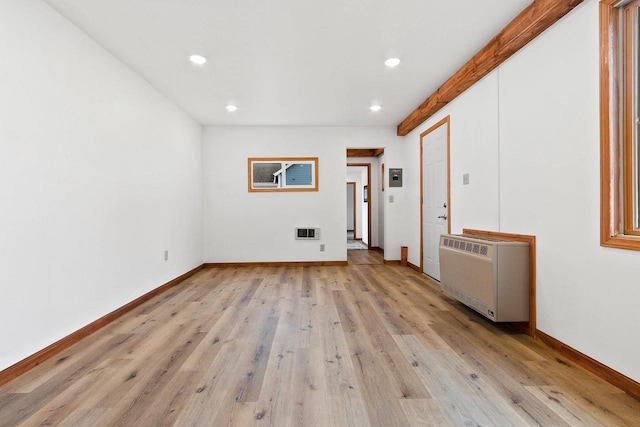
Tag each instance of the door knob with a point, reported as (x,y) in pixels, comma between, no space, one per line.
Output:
(443,216)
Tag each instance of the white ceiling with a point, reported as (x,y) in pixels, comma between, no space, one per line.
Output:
(293,62)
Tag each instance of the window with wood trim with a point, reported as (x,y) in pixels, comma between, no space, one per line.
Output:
(619,124)
(630,119)
(283,174)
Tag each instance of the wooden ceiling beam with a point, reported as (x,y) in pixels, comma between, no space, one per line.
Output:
(530,23)
(364,152)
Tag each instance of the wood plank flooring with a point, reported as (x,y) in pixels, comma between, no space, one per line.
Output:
(362,345)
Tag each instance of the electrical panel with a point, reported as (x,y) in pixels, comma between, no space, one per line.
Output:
(395,177)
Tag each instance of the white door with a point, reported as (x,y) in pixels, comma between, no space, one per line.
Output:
(434,197)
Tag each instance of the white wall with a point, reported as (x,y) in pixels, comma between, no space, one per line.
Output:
(253,227)
(528,136)
(399,231)
(99,174)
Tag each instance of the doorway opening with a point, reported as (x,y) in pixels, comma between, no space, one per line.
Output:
(360,175)
(364,169)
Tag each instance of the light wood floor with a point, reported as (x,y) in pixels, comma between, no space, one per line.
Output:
(362,345)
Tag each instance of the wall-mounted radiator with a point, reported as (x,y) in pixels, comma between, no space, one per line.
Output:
(489,275)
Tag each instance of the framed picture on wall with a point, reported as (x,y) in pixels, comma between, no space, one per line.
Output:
(366,193)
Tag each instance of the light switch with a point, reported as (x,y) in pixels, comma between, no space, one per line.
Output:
(391,198)
(465,179)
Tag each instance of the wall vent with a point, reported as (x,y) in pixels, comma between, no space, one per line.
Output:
(307,233)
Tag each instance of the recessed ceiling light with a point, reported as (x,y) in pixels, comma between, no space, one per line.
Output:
(198,59)
(375,107)
(392,62)
(231,108)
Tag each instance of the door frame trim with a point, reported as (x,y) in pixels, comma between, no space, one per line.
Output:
(355,224)
(369,228)
(447,121)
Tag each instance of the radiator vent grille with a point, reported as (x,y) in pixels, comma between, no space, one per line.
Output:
(474,248)
(468,300)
